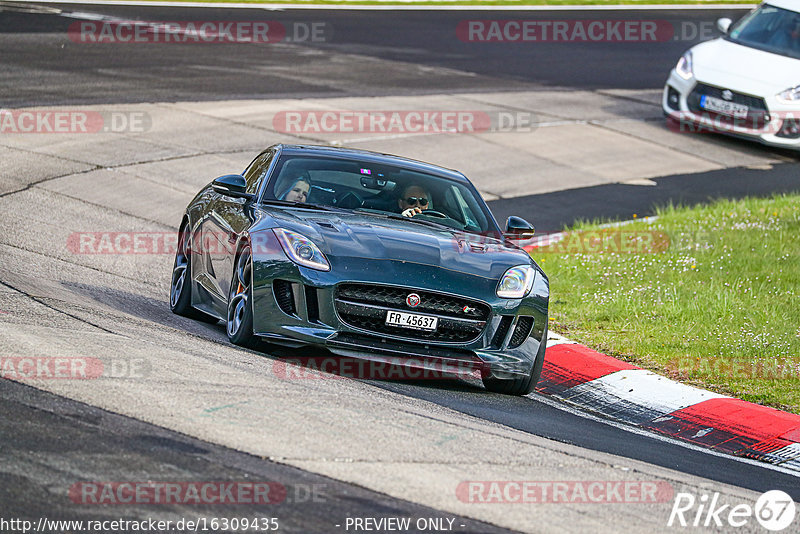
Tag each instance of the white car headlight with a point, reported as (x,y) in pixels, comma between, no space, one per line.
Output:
(516,282)
(684,68)
(790,95)
(302,250)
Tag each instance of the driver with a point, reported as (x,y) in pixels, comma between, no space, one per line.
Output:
(414,200)
(789,36)
(794,35)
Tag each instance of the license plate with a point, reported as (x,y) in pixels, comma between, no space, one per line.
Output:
(411,320)
(724,107)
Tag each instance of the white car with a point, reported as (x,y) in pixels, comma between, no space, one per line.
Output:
(745,83)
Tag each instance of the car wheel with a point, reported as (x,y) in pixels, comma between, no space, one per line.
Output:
(240,306)
(180,290)
(524,384)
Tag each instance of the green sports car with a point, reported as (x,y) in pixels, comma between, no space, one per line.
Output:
(367,255)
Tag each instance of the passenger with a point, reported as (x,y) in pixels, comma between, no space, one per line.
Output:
(414,200)
(298,191)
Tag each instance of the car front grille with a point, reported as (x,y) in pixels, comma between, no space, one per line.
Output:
(757,116)
(365,307)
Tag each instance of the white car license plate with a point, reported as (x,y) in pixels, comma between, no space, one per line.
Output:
(724,107)
(411,320)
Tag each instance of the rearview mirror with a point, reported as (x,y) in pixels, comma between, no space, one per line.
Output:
(518,228)
(724,24)
(232,185)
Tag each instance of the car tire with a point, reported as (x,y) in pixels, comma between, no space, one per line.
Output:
(239,321)
(180,289)
(521,385)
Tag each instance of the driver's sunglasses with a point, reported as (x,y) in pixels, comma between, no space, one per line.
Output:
(422,201)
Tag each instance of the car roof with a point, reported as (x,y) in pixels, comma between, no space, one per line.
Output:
(375,157)
(791,5)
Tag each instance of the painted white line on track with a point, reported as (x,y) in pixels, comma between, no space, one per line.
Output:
(644,389)
(789,455)
(557,339)
(565,407)
(339,7)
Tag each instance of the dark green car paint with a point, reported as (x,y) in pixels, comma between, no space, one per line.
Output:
(362,248)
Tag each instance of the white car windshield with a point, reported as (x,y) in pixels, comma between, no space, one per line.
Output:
(771,29)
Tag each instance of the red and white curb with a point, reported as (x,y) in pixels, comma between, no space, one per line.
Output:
(623,392)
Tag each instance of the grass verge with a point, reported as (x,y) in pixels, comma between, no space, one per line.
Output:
(706,295)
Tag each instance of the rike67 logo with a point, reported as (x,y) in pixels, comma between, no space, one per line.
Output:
(774,510)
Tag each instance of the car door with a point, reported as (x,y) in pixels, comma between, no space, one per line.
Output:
(227,219)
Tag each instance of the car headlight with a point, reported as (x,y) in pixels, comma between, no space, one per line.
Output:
(684,68)
(302,250)
(516,282)
(790,95)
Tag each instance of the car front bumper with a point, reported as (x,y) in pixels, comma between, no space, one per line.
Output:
(773,130)
(296,306)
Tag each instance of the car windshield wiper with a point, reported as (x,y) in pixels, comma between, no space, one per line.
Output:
(396,217)
(290,204)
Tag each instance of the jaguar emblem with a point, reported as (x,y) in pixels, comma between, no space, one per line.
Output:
(413,300)
(727,95)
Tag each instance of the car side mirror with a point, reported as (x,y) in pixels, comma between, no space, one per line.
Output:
(724,24)
(232,185)
(518,228)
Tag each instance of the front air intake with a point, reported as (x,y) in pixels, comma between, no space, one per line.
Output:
(284,296)
(312,304)
(673,99)
(521,331)
(502,331)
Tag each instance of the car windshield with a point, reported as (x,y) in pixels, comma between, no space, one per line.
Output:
(771,29)
(378,189)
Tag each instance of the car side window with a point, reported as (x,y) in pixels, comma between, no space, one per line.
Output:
(257,170)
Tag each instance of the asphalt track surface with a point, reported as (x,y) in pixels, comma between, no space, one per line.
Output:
(40,71)
(553,212)
(36,48)
(311,503)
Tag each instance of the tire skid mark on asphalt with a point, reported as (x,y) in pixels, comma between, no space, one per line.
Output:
(43,303)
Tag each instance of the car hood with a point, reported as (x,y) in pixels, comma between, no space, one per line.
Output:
(345,237)
(744,69)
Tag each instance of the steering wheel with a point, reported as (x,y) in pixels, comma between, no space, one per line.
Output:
(434,213)
(349,200)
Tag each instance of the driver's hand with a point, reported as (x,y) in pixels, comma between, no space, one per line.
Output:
(410,212)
